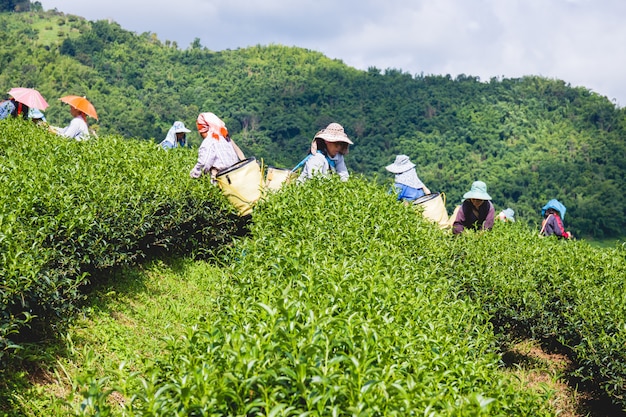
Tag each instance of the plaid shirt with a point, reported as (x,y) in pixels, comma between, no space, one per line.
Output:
(213,153)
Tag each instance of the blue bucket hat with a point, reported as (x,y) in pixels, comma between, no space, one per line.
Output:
(478,191)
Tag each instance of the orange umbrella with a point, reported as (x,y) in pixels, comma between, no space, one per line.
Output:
(29,96)
(82,104)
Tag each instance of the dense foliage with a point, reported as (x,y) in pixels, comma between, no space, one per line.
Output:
(343,302)
(531,139)
(333,306)
(70,210)
(340,300)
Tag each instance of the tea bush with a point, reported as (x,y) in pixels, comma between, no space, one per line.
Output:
(337,307)
(342,301)
(564,293)
(70,210)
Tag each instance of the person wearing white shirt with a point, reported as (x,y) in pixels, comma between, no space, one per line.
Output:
(327,154)
(218,150)
(77,129)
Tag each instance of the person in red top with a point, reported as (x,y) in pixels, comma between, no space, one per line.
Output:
(553,225)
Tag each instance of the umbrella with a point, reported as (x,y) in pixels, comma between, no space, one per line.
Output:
(82,104)
(29,96)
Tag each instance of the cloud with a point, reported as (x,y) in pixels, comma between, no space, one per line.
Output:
(577,41)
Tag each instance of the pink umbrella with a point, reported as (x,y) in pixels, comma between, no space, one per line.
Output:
(29,96)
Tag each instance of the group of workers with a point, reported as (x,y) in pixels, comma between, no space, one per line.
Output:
(476,212)
(77,128)
(218,151)
(326,156)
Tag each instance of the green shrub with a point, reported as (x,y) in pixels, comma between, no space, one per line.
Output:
(337,306)
(565,293)
(71,210)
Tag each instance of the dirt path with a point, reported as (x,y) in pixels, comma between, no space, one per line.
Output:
(549,373)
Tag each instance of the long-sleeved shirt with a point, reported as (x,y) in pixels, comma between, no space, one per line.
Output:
(319,163)
(214,153)
(552,225)
(408,193)
(77,129)
(470,218)
(6,108)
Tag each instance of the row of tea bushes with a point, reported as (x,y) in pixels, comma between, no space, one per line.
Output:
(339,305)
(565,293)
(69,210)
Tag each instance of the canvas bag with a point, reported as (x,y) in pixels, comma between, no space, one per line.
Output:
(434,208)
(275,178)
(241,183)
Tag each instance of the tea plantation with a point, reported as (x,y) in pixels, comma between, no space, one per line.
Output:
(337,301)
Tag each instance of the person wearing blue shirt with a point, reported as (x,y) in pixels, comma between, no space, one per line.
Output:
(407,184)
(13,108)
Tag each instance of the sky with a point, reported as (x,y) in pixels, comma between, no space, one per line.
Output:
(582,42)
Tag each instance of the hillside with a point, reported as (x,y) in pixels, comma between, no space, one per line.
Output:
(130,290)
(530,139)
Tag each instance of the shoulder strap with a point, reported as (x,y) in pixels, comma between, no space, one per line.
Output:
(306,158)
(543,224)
(331,163)
(238,151)
(301,163)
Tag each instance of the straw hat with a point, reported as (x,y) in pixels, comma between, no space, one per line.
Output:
(333,133)
(478,191)
(400,165)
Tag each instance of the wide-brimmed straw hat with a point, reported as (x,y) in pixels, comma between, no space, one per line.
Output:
(478,191)
(333,133)
(400,165)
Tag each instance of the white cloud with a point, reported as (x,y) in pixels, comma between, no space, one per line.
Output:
(578,41)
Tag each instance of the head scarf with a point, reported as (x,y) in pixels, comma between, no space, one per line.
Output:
(212,125)
(409,178)
(170,140)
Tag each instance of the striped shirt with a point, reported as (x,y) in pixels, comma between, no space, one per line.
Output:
(213,153)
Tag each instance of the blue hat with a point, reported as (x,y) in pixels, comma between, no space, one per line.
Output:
(36,114)
(556,205)
(478,191)
(508,215)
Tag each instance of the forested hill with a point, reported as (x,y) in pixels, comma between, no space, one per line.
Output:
(530,139)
